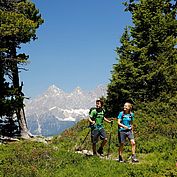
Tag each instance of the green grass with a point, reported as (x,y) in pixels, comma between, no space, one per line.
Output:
(35,159)
(157,157)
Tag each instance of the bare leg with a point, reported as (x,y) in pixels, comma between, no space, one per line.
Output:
(133,146)
(94,148)
(121,149)
(134,159)
(104,142)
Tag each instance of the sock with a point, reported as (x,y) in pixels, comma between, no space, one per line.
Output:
(133,156)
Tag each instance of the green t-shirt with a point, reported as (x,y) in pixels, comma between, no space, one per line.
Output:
(98,117)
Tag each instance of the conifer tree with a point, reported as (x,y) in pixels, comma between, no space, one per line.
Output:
(146,67)
(19,20)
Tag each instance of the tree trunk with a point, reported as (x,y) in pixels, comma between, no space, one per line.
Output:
(24,133)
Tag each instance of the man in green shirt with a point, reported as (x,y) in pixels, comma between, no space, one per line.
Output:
(96,118)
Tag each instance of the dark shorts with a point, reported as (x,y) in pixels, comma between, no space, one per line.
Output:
(125,134)
(95,134)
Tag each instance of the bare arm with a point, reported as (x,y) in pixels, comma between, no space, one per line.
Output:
(91,121)
(106,119)
(121,125)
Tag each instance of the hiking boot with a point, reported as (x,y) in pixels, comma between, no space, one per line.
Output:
(134,159)
(100,151)
(95,154)
(120,159)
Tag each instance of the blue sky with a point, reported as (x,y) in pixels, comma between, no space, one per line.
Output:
(75,45)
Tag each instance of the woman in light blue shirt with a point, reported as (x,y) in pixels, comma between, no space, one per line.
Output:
(125,129)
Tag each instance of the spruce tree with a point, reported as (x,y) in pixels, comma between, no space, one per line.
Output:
(146,67)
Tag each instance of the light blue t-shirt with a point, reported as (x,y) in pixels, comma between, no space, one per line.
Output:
(125,119)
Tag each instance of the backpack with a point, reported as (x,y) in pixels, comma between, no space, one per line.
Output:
(129,116)
(93,118)
(119,126)
(91,109)
(123,117)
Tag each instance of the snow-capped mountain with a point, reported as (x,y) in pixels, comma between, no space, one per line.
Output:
(54,110)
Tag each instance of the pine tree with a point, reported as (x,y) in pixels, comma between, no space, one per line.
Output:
(146,67)
(19,21)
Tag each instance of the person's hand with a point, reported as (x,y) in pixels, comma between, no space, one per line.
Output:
(111,122)
(93,122)
(127,128)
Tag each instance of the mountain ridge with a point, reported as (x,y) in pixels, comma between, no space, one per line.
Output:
(56,105)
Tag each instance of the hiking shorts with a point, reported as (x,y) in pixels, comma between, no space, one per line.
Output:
(125,134)
(96,133)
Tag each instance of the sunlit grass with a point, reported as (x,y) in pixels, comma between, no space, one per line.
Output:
(157,158)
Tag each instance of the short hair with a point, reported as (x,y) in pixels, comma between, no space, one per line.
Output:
(101,101)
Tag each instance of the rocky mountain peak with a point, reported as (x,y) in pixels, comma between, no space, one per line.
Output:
(56,106)
(53,91)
